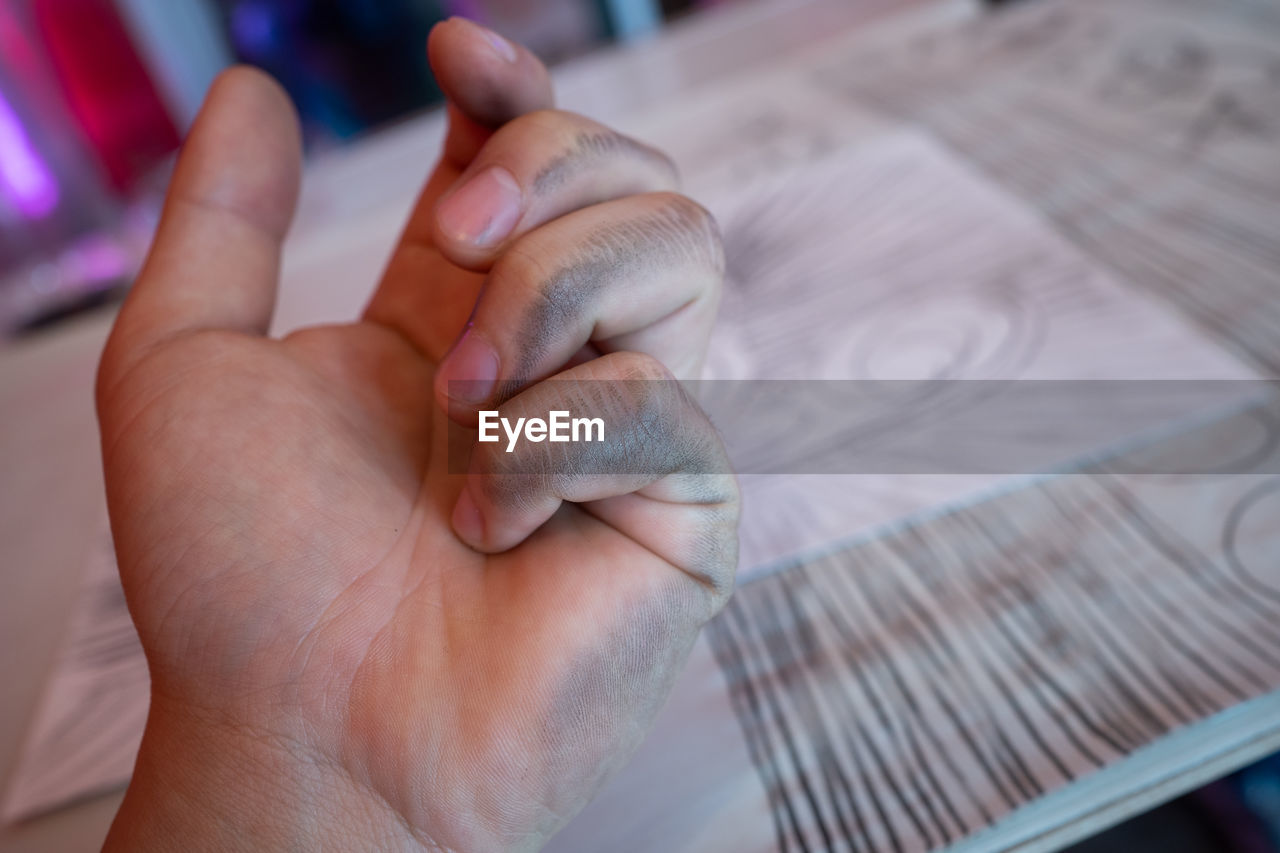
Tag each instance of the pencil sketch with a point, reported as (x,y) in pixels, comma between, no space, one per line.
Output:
(1154,151)
(865,680)
(1244,534)
(890,260)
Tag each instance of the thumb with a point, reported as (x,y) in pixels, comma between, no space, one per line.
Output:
(215,260)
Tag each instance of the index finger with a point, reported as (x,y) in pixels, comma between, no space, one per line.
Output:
(488,81)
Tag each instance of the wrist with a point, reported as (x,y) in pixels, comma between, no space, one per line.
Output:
(203,784)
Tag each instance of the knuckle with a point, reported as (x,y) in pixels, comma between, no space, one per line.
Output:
(697,226)
(661,159)
(661,423)
(716,558)
(571,144)
(686,212)
(638,367)
(720,567)
(711,555)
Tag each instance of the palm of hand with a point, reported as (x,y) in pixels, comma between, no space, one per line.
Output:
(313,575)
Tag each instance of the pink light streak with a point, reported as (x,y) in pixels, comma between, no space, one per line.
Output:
(25,180)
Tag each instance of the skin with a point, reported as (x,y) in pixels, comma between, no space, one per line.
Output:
(350,646)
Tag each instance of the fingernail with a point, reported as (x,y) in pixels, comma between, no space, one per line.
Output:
(467,521)
(470,369)
(500,46)
(483,210)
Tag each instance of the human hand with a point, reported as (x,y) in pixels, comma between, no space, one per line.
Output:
(351,647)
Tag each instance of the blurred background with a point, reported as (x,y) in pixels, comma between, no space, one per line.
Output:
(96,94)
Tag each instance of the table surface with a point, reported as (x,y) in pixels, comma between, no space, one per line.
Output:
(1046,156)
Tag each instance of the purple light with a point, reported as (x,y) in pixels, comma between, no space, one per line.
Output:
(25,181)
(253,27)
